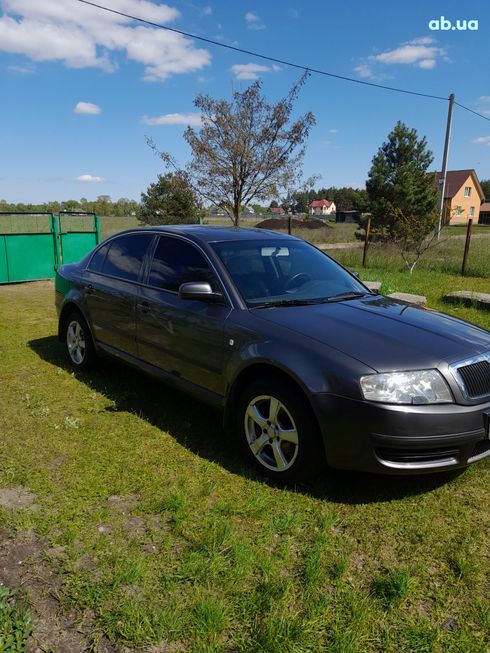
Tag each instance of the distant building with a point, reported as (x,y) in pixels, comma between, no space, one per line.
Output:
(278,210)
(347,216)
(484,213)
(462,196)
(321,207)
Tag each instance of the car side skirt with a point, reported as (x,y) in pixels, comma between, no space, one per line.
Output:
(206,396)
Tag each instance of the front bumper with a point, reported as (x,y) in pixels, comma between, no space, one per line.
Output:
(394,439)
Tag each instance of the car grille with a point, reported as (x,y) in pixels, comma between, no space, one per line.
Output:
(476,378)
(473,377)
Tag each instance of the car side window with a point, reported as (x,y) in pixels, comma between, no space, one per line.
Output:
(97,260)
(176,262)
(125,256)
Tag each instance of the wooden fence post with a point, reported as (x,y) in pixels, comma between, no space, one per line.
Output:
(289,224)
(466,246)
(366,241)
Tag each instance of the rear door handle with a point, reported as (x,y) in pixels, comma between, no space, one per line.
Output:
(144,307)
(90,289)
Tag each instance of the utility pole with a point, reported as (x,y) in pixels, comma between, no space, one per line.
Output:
(442,180)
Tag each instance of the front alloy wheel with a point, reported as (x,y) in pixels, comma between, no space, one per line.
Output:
(278,431)
(271,433)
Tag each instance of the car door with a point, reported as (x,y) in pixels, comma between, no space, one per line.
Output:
(181,337)
(111,290)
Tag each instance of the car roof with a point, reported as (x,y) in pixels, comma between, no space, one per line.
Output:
(211,233)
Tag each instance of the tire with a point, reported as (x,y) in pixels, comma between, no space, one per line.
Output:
(79,345)
(278,431)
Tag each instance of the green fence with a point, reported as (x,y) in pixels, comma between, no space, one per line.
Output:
(33,245)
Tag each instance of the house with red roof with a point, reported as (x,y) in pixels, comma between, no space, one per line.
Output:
(322,207)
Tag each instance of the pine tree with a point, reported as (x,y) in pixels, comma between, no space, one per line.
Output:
(402,194)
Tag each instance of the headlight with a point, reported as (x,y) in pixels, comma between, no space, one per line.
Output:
(420,387)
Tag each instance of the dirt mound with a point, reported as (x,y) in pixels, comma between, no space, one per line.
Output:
(296,223)
(24,564)
(17,498)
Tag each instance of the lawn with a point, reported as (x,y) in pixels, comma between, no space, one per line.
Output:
(138,526)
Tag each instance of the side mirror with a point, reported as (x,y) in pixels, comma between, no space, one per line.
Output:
(200,290)
(355,273)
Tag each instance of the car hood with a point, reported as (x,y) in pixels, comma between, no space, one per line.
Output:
(384,333)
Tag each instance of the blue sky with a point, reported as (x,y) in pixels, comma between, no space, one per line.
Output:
(81,88)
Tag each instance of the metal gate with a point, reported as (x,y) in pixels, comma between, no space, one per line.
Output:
(33,245)
(77,235)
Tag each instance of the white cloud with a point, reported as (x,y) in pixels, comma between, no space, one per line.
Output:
(421,52)
(294,14)
(29,69)
(90,179)
(251,70)
(81,36)
(427,64)
(333,131)
(422,40)
(193,119)
(364,70)
(482,139)
(484,100)
(253,21)
(417,51)
(87,108)
(207,11)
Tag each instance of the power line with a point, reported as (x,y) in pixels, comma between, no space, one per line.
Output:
(267,57)
(471,111)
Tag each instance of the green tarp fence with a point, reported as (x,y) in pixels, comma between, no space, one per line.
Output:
(33,245)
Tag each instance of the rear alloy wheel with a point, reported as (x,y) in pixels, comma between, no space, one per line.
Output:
(278,431)
(78,341)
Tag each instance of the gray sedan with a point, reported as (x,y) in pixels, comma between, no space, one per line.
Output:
(306,363)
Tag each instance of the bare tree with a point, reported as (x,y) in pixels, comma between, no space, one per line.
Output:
(411,239)
(246,150)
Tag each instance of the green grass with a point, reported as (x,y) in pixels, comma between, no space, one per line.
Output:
(15,622)
(445,257)
(196,553)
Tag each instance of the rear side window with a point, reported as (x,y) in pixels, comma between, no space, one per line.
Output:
(176,262)
(97,260)
(125,256)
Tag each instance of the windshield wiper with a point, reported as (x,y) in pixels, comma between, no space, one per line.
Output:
(306,302)
(290,302)
(346,295)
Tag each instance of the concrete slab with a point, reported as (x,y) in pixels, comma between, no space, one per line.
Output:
(418,300)
(355,245)
(373,285)
(469,298)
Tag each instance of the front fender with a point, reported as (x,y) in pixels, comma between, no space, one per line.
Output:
(315,366)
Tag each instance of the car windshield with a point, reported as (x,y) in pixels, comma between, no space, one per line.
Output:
(285,272)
